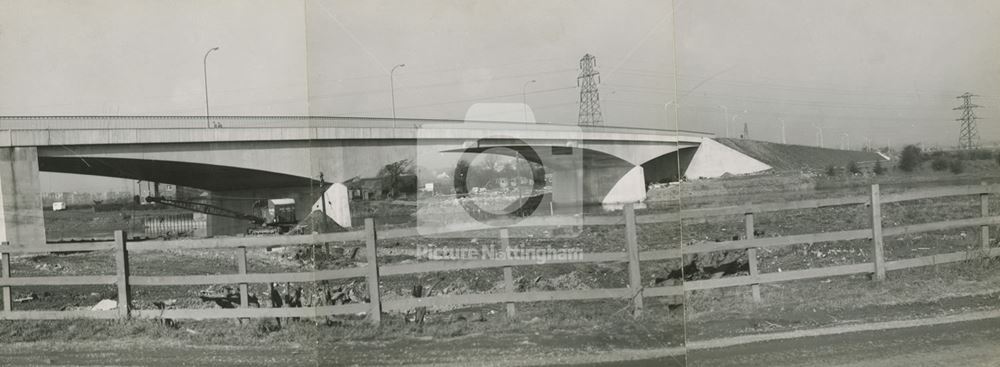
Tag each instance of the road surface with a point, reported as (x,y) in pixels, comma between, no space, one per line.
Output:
(966,344)
(973,343)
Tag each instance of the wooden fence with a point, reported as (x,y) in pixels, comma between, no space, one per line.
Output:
(630,254)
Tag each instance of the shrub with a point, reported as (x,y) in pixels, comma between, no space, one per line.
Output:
(831,170)
(878,170)
(910,158)
(956,167)
(853,168)
(976,154)
(941,163)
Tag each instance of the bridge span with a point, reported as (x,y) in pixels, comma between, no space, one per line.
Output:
(283,156)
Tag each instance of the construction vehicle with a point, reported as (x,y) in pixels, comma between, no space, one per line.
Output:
(276,213)
(269,216)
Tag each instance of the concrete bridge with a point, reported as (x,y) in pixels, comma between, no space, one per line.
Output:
(242,157)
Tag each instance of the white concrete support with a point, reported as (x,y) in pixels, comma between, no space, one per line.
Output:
(338,205)
(21,221)
(631,188)
(714,159)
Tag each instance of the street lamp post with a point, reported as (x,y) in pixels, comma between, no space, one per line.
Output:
(524,98)
(819,135)
(392,92)
(204,64)
(735,115)
(726,120)
(783,141)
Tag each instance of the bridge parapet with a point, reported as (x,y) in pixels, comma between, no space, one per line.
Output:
(100,130)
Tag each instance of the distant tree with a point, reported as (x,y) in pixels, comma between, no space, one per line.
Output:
(461,175)
(976,154)
(910,159)
(956,166)
(940,163)
(878,170)
(853,168)
(509,172)
(490,162)
(392,173)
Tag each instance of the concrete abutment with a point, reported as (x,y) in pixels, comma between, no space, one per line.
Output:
(21,200)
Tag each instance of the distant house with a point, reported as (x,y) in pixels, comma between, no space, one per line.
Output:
(364,188)
(377,188)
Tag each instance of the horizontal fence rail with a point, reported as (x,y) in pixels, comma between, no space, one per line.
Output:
(372,273)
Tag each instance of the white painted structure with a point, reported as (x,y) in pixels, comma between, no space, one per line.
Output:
(624,191)
(713,159)
(337,204)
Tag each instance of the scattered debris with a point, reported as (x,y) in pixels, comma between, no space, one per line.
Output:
(420,312)
(229,299)
(28,298)
(105,305)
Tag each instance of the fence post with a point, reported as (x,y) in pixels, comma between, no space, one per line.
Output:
(508,272)
(878,257)
(241,263)
(984,231)
(632,242)
(121,270)
(5,273)
(752,256)
(372,267)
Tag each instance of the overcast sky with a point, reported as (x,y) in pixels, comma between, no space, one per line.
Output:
(883,70)
(877,69)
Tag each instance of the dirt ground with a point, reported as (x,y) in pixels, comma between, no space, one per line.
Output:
(553,330)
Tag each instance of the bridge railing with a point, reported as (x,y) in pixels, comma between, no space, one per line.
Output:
(635,292)
(197,122)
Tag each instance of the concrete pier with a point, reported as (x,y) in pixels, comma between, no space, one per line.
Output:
(21,200)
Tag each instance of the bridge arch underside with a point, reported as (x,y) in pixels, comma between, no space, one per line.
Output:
(610,180)
(605,178)
(668,167)
(233,188)
(188,174)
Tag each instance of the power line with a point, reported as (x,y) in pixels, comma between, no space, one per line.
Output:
(968,137)
(590,99)
(488,79)
(486,98)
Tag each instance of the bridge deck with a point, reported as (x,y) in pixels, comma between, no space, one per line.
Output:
(100,130)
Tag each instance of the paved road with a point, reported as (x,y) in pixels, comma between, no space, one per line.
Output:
(974,343)
(966,344)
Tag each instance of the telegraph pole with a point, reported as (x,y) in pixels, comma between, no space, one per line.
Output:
(322,198)
(590,100)
(968,137)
